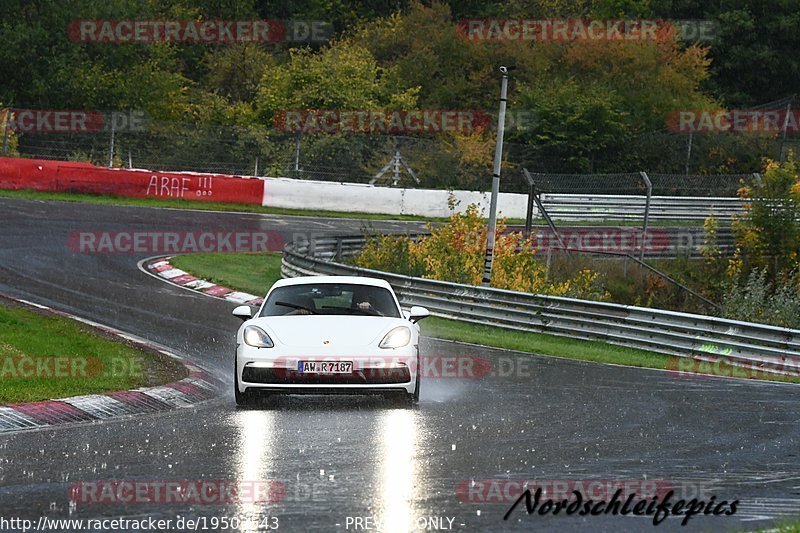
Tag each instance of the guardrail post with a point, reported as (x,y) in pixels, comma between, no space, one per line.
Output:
(338,256)
(649,185)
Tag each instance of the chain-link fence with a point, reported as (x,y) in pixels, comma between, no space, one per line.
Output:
(458,162)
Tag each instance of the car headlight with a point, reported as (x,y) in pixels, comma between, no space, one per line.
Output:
(255,336)
(396,338)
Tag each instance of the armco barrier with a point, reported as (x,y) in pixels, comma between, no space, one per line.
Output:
(568,207)
(59,176)
(771,349)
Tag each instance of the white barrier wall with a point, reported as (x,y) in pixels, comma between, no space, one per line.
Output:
(363,198)
(356,197)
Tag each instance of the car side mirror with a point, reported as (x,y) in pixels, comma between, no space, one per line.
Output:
(244,312)
(417,313)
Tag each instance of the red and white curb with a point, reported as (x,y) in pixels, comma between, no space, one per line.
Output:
(161,268)
(190,391)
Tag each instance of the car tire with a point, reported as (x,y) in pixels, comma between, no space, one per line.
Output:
(242,398)
(415,394)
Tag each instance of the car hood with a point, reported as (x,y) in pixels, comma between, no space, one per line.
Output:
(314,331)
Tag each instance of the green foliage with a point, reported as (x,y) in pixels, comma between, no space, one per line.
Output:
(341,76)
(9,137)
(390,253)
(760,301)
(575,123)
(768,234)
(763,277)
(714,263)
(455,252)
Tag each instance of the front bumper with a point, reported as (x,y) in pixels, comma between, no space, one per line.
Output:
(373,371)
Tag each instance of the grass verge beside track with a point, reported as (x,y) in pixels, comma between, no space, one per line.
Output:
(45,356)
(249,272)
(540,343)
(255,273)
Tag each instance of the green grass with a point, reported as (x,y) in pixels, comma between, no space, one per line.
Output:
(540,343)
(204,206)
(249,272)
(785,526)
(32,341)
(255,273)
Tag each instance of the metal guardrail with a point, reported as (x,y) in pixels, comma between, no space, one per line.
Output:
(570,207)
(770,349)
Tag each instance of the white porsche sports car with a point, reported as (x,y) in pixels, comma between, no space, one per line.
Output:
(328,334)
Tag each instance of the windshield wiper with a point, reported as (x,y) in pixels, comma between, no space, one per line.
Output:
(298,306)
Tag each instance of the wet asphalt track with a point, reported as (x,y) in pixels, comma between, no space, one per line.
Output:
(344,456)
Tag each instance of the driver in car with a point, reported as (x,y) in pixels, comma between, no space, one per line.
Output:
(361,300)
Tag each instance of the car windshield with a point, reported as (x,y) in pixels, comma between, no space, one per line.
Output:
(331,299)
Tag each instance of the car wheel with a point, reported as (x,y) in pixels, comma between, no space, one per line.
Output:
(242,398)
(415,395)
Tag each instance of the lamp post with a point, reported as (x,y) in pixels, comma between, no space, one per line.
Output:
(498,158)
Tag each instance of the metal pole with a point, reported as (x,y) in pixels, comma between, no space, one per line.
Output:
(529,213)
(111,147)
(498,158)
(688,154)
(255,170)
(297,153)
(396,173)
(647,182)
(130,160)
(544,212)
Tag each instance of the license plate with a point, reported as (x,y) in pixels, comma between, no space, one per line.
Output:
(325,367)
